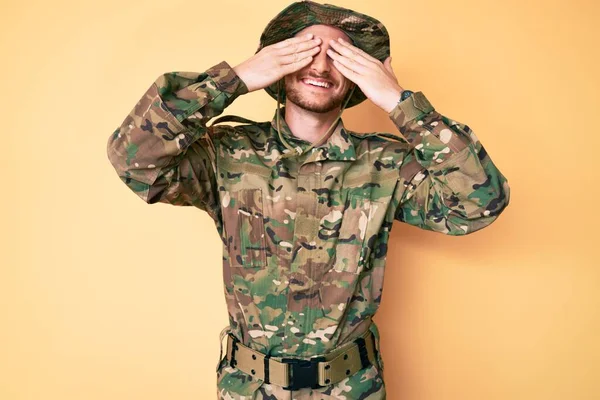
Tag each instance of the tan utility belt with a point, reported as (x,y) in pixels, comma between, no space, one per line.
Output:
(297,373)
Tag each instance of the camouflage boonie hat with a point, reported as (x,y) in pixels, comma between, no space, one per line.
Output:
(366,33)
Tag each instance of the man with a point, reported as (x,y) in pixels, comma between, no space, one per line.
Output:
(304,206)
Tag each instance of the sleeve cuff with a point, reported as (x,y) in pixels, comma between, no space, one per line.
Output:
(408,109)
(434,137)
(227,80)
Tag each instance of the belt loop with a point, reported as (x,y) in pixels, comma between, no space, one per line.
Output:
(234,348)
(266,368)
(224,331)
(375,351)
(362,351)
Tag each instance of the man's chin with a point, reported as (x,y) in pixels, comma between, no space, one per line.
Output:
(317,104)
(321,107)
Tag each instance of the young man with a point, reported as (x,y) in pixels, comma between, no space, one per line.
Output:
(304,206)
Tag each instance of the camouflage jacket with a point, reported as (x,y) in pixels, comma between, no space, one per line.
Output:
(304,238)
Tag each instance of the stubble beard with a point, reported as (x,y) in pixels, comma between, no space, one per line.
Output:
(314,103)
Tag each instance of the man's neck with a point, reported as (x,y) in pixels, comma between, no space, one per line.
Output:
(308,125)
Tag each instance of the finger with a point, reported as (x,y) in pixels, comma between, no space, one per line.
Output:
(297,65)
(298,47)
(347,62)
(349,54)
(347,72)
(295,57)
(338,43)
(388,65)
(358,50)
(292,40)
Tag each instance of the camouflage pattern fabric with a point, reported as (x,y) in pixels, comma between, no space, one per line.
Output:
(304,238)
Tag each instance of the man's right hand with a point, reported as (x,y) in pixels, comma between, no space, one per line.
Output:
(273,62)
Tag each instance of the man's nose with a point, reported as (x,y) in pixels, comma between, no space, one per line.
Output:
(321,61)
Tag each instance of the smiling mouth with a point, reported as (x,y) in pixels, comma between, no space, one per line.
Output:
(316,87)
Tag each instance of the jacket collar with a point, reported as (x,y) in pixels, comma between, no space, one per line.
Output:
(338,147)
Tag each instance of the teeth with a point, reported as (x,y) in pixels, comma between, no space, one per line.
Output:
(315,83)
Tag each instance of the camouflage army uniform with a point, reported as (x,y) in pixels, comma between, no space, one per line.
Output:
(304,238)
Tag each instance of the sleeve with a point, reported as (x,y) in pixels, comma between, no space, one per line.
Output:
(163,151)
(447,180)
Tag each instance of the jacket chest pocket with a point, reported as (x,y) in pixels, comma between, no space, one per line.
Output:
(245,228)
(361,221)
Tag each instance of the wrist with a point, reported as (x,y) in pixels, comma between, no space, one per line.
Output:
(393,99)
(239,71)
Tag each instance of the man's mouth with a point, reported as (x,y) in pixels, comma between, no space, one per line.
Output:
(317,84)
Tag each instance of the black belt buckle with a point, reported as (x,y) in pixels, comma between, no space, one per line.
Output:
(303,373)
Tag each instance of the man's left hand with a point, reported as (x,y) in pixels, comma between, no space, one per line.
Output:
(376,79)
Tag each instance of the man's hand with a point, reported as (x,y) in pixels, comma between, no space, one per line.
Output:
(273,62)
(374,78)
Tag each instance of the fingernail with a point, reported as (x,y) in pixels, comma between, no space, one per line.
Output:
(309,35)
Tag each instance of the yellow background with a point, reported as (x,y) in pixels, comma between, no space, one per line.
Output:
(105,297)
